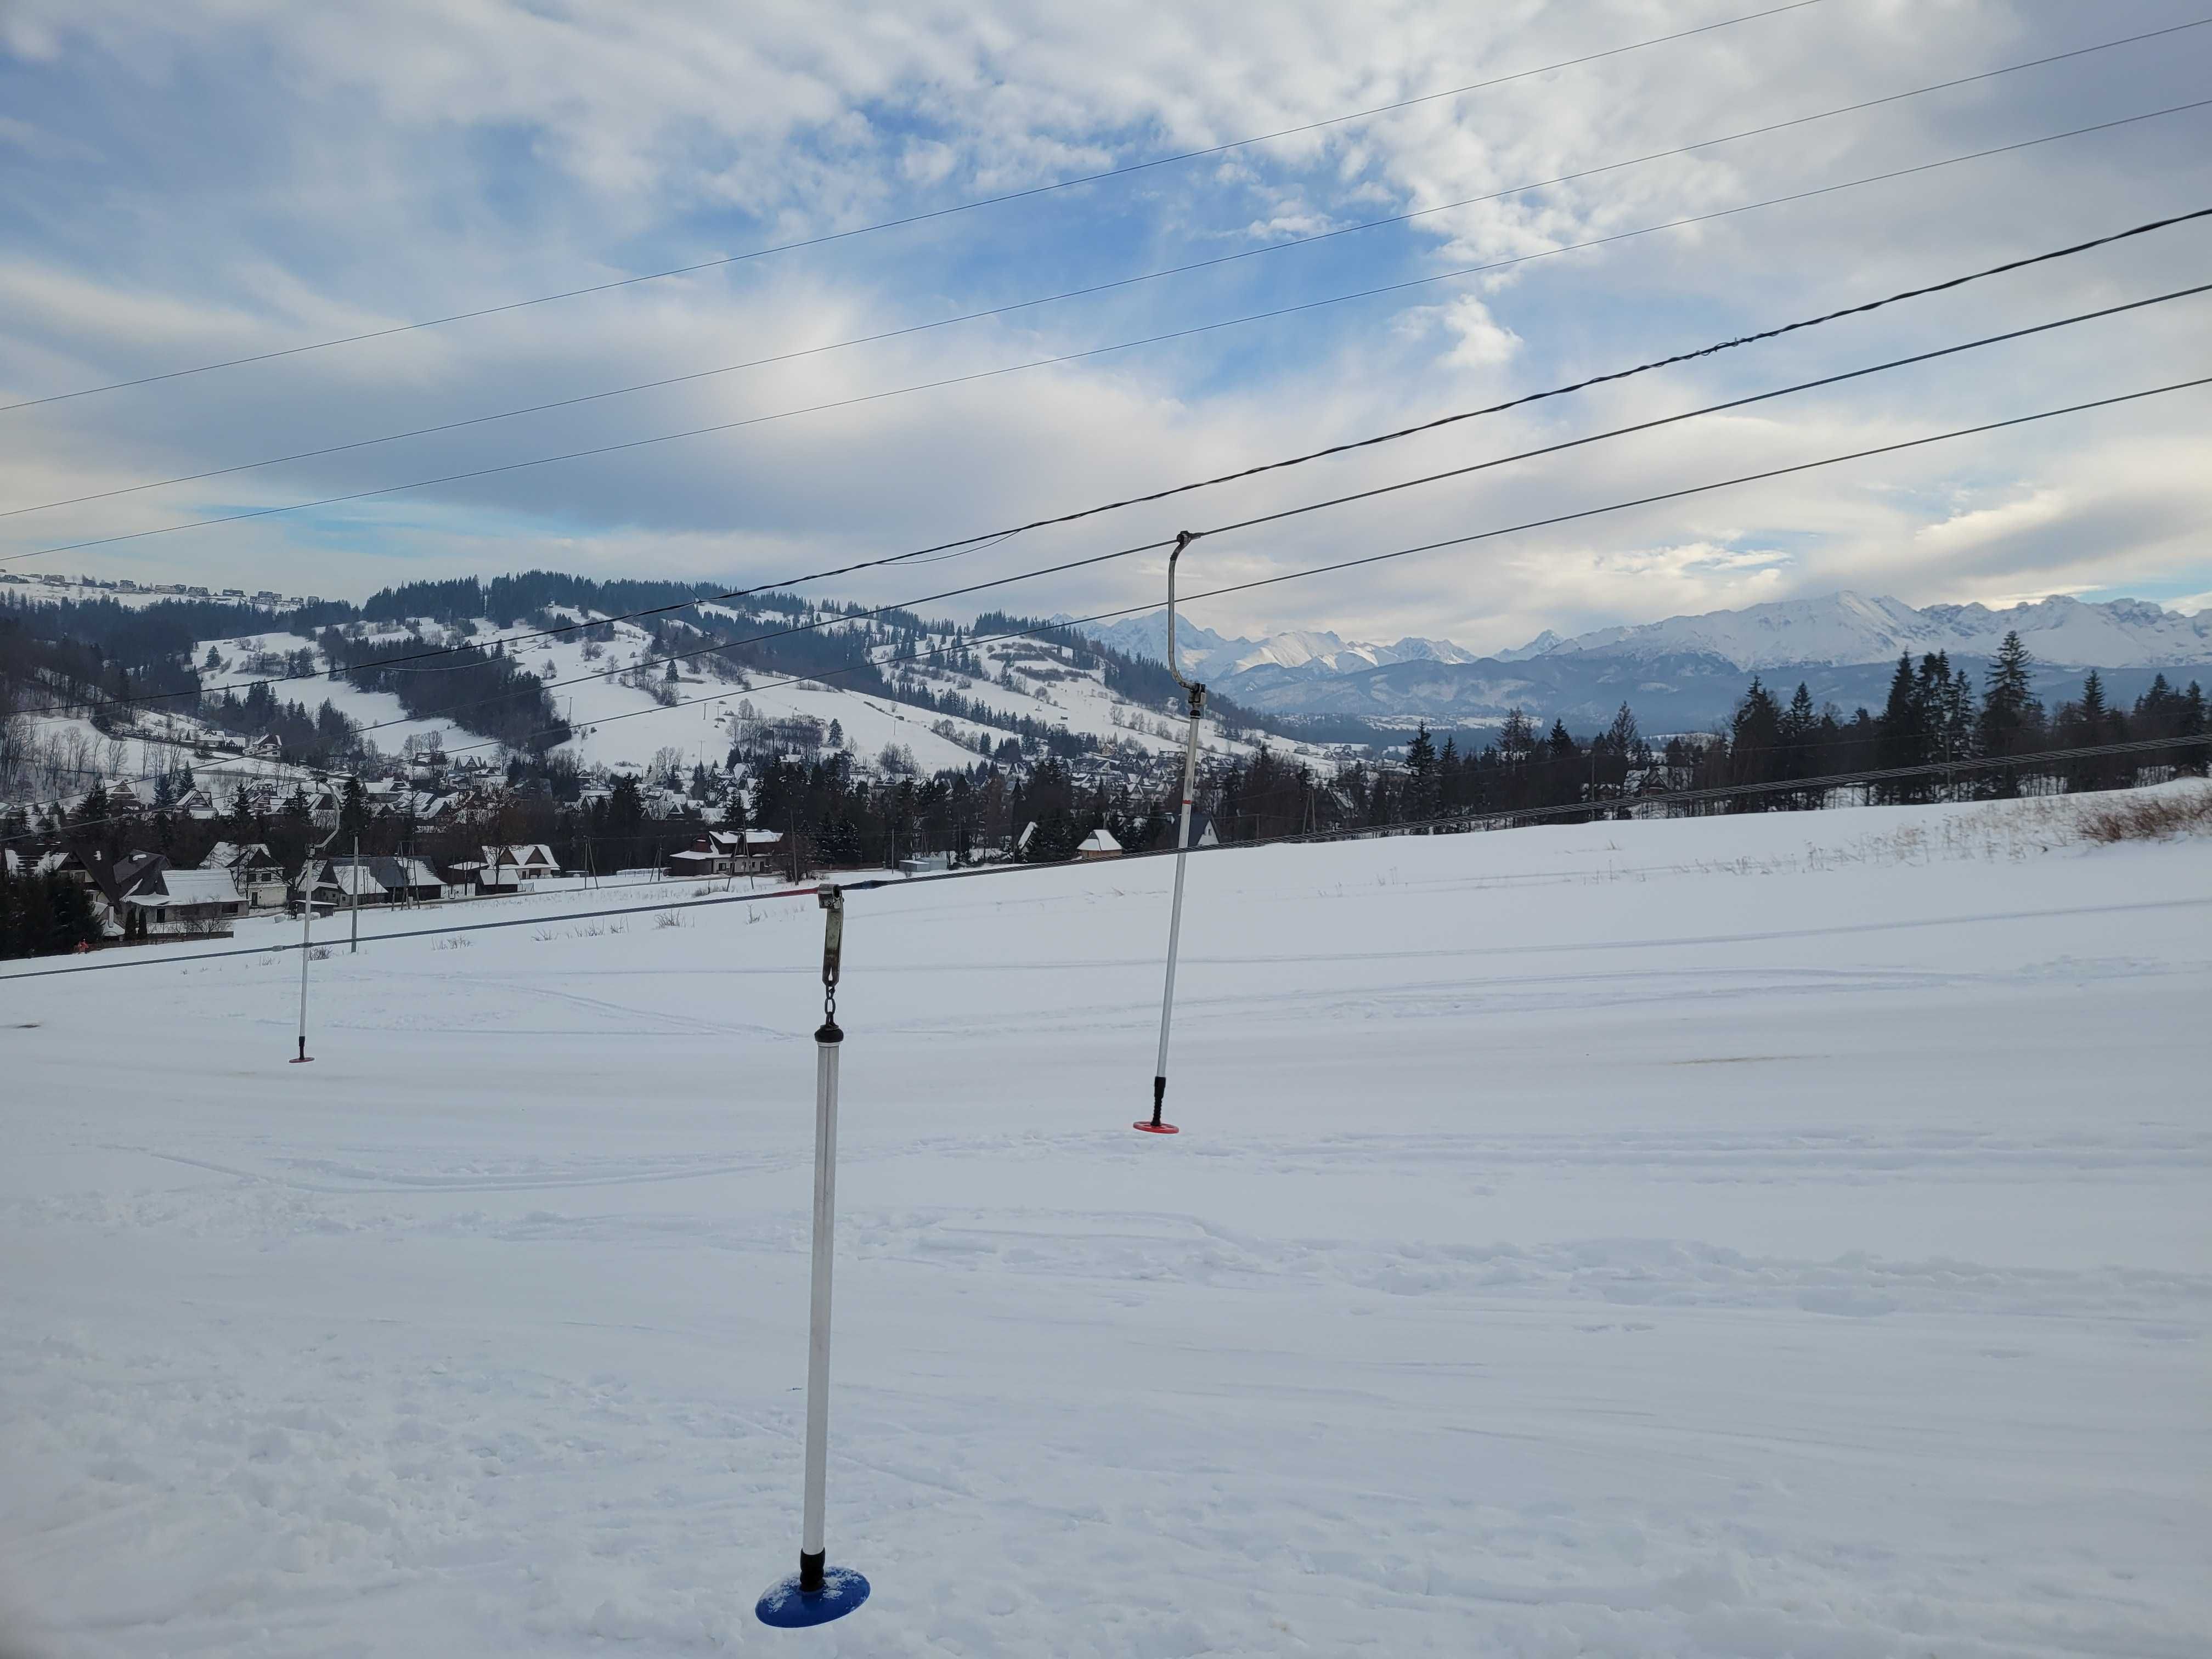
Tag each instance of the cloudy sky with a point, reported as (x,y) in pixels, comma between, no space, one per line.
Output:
(210,180)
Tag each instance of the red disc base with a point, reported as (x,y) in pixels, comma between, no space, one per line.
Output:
(1157,1128)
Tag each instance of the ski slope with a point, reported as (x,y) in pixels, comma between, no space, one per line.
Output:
(1760,1236)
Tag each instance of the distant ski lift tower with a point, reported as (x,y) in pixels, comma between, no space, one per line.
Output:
(1183,540)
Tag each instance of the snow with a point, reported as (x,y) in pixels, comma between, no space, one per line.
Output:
(1754,1236)
(379,708)
(1208,655)
(618,724)
(1847,628)
(83,756)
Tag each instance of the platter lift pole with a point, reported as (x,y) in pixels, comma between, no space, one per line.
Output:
(306,937)
(1197,695)
(818,1593)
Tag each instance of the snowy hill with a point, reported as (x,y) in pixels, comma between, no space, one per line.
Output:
(626,708)
(1771,1234)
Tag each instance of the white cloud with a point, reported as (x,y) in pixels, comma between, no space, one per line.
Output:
(427,158)
(1482,343)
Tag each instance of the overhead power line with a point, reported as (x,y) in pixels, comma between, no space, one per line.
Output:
(819,624)
(915,218)
(1287,242)
(1075,357)
(398,664)
(1354,563)
(1319,570)
(1280,514)
(1268,518)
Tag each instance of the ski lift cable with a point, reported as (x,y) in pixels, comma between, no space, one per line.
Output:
(1090,290)
(399,663)
(915,218)
(1076,356)
(1458,541)
(1062,568)
(1325,504)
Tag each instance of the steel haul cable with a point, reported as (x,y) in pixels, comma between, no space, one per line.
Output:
(1469,539)
(399,663)
(848,617)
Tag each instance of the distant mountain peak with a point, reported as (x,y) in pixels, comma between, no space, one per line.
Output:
(1682,673)
(1844,628)
(1313,652)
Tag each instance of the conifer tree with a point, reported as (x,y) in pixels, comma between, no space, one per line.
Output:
(1420,799)
(2011,721)
(1903,730)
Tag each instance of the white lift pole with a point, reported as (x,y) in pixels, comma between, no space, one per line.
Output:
(306,937)
(1183,540)
(818,1593)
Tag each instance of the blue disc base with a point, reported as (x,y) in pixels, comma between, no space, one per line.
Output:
(786,1606)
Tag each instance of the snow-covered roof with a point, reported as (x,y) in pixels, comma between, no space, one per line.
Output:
(536,853)
(187,887)
(1099,840)
(199,887)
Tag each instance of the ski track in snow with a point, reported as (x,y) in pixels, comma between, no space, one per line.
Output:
(1697,1239)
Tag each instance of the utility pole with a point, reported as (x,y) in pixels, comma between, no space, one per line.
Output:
(1183,540)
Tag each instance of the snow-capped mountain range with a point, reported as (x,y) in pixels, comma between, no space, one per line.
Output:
(1303,653)
(1841,629)
(1685,670)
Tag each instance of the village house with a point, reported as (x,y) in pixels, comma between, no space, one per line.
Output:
(508,869)
(727,851)
(186,901)
(374,878)
(1202,832)
(254,869)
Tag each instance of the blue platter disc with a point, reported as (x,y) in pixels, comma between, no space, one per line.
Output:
(786,1606)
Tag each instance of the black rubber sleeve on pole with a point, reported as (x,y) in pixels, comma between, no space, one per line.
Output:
(810,1571)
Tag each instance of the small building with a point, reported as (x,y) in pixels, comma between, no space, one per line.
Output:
(925,864)
(187,901)
(507,869)
(727,851)
(1098,844)
(701,858)
(254,869)
(1202,833)
(528,861)
(375,879)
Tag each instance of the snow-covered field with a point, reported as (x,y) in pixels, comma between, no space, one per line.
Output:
(1763,1236)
